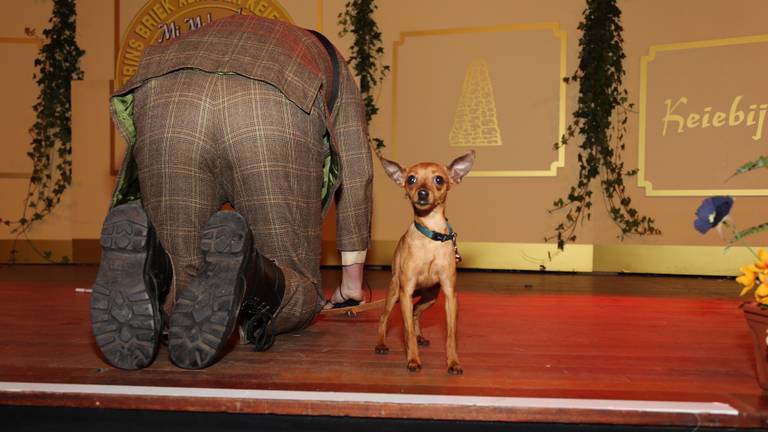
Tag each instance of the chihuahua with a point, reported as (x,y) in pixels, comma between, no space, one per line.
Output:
(426,255)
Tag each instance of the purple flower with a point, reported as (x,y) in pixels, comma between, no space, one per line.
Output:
(711,212)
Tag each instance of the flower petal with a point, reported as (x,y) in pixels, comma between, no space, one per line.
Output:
(762,257)
(711,212)
(702,225)
(747,280)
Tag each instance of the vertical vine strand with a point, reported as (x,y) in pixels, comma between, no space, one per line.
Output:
(600,119)
(57,64)
(365,53)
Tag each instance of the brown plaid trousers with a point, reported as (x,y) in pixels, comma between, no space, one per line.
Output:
(236,111)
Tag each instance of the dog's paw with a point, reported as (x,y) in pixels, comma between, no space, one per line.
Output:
(381,349)
(414,366)
(422,341)
(455,369)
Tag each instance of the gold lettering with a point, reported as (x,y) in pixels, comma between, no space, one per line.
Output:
(718,119)
(167,6)
(132,56)
(673,117)
(759,132)
(733,113)
(160,13)
(693,121)
(142,31)
(258,8)
(149,22)
(751,115)
(157,15)
(754,116)
(133,43)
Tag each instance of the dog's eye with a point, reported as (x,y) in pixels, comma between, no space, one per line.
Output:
(411,180)
(439,180)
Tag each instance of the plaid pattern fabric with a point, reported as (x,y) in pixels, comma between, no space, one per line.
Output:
(236,111)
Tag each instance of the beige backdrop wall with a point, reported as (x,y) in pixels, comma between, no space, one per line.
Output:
(501,62)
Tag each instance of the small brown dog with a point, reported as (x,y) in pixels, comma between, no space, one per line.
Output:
(426,256)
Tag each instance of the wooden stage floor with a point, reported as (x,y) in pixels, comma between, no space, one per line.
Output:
(536,348)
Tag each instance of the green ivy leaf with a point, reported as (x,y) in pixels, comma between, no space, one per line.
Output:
(600,120)
(748,232)
(761,162)
(365,53)
(57,64)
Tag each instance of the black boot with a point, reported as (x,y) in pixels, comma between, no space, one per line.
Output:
(133,280)
(265,288)
(206,311)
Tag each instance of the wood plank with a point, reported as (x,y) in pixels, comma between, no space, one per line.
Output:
(521,335)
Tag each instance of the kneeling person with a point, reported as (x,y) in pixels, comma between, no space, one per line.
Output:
(254,112)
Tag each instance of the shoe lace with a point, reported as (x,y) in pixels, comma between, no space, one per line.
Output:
(257,327)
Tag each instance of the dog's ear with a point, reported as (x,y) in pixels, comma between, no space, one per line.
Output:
(461,166)
(394,171)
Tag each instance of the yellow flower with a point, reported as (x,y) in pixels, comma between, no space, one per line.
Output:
(761,294)
(748,278)
(762,259)
(756,274)
(749,274)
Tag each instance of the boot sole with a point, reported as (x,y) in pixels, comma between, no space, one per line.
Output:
(206,311)
(125,315)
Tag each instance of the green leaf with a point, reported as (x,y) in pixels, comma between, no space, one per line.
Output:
(600,120)
(761,162)
(366,51)
(748,232)
(56,65)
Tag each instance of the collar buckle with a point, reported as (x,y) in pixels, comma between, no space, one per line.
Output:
(437,236)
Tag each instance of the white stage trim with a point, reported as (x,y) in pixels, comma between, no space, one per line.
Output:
(717,408)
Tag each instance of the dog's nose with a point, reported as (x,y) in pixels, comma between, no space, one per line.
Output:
(423,194)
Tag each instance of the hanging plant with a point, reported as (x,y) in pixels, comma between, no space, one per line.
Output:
(600,119)
(57,64)
(365,53)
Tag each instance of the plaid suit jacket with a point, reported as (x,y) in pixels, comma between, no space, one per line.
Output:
(295,62)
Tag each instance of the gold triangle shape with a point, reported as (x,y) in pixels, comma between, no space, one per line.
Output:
(475,123)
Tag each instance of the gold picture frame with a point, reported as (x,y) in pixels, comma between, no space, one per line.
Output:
(563,40)
(642,180)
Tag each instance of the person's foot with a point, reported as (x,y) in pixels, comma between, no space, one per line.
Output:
(134,276)
(344,296)
(206,311)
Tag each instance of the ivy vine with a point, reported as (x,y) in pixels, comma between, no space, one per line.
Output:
(365,53)
(760,163)
(600,119)
(57,64)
